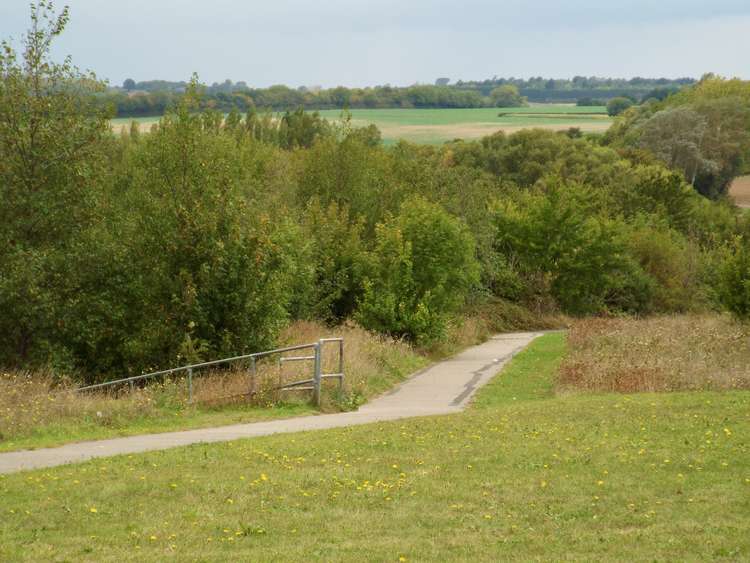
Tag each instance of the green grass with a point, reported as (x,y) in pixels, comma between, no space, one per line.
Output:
(165,419)
(439,125)
(521,475)
(433,126)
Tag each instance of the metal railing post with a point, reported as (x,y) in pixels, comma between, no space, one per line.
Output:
(317,373)
(341,365)
(252,376)
(190,385)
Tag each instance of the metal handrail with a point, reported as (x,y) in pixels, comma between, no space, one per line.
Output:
(318,376)
(194,366)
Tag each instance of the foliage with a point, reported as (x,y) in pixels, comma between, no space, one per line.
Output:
(507,96)
(734,285)
(580,260)
(208,234)
(424,268)
(616,106)
(154,97)
(51,135)
(339,260)
(703,131)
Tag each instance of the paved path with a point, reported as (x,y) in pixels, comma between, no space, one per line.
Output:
(443,388)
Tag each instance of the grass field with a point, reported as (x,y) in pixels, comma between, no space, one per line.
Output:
(439,125)
(144,123)
(523,475)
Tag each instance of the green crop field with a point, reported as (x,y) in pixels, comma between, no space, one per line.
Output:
(440,125)
(144,123)
(523,474)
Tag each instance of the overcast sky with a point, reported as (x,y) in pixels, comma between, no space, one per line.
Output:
(359,43)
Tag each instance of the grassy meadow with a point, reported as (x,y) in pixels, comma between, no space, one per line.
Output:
(435,126)
(524,474)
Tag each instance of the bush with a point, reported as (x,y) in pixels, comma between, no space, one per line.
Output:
(734,279)
(339,260)
(675,265)
(618,105)
(579,259)
(424,266)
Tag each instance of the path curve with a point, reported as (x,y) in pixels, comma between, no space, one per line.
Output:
(445,387)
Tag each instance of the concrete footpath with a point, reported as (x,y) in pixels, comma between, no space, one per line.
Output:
(443,388)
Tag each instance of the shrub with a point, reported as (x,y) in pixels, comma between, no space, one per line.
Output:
(338,260)
(580,259)
(424,266)
(675,265)
(734,279)
(618,105)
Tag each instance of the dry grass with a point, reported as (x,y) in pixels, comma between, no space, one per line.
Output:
(739,191)
(34,403)
(688,352)
(372,363)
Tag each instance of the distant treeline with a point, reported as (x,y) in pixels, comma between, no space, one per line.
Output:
(155,97)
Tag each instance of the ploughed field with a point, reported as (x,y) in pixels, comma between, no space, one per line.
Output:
(440,125)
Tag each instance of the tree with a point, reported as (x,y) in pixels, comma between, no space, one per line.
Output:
(676,136)
(565,250)
(618,105)
(507,96)
(734,279)
(424,268)
(129,84)
(442,81)
(50,132)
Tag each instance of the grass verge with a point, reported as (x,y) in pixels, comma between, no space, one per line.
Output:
(33,416)
(521,475)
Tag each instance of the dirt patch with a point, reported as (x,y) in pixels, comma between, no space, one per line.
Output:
(739,191)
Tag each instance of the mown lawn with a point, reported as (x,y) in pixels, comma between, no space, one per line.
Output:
(521,475)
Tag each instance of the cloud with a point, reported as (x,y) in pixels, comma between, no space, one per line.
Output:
(357,42)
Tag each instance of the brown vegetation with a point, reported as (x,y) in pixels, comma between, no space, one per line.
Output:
(739,191)
(30,402)
(686,352)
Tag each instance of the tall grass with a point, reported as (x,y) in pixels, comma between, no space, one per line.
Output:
(687,352)
(36,403)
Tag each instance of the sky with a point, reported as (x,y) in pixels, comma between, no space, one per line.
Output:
(398,42)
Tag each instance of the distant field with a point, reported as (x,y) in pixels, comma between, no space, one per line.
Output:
(144,123)
(440,125)
(740,191)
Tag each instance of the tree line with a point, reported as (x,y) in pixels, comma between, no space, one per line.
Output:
(131,252)
(154,97)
